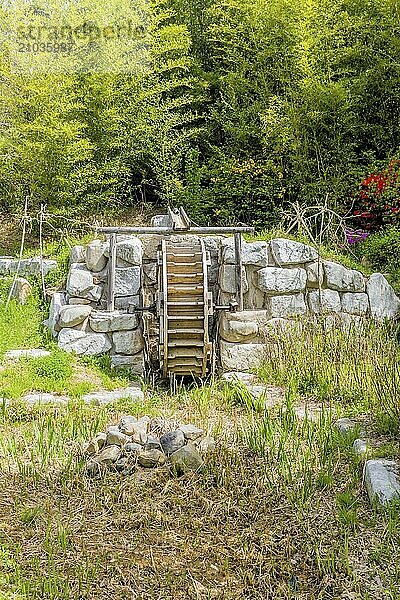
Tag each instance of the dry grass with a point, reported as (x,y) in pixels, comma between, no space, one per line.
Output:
(272,526)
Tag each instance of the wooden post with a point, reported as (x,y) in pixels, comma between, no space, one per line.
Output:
(238,264)
(111,271)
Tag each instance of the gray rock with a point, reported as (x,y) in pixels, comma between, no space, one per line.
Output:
(80,284)
(5,264)
(134,364)
(137,430)
(253,253)
(161,221)
(382,481)
(77,254)
(26,353)
(133,447)
(58,300)
(96,444)
(151,458)
(383,301)
(83,343)
(287,306)
(315,274)
(227,279)
(355,304)
(33,266)
(130,250)
(243,357)
(122,463)
(172,441)
(79,301)
(108,455)
(44,398)
(127,281)
(288,252)
(73,315)
(324,301)
(186,459)
(150,273)
(103,398)
(235,376)
(243,326)
(116,437)
(152,442)
(345,425)
(151,245)
(191,432)
(360,446)
(275,280)
(21,290)
(107,321)
(342,279)
(127,303)
(206,445)
(128,342)
(96,259)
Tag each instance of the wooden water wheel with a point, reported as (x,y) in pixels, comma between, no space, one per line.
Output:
(185,305)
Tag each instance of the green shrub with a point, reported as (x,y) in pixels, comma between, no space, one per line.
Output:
(381,251)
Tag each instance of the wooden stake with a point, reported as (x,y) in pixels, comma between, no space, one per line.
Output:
(238,264)
(111,272)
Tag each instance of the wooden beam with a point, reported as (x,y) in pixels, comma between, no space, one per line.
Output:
(170,231)
(112,262)
(238,270)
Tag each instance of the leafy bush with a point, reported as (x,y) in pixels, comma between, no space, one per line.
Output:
(378,201)
(381,251)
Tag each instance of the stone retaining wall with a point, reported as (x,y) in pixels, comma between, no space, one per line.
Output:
(283,281)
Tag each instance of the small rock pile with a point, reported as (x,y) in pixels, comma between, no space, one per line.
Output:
(147,443)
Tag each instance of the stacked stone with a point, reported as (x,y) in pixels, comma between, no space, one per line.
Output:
(284,280)
(78,317)
(147,443)
(27,266)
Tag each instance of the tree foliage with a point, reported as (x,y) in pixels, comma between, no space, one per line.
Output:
(245,106)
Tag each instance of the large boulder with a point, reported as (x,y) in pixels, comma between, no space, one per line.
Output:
(96,259)
(242,326)
(227,279)
(127,302)
(105,322)
(77,254)
(288,252)
(383,301)
(33,266)
(342,279)
(315,274)
(21,290)
(128,342)
(133,363)
(133,393)
(81,342)
(324,301)
(72,315)
(127,281)
(241,357)
(252,253)
(355,304)
(80,284)
(382,481)
(274,280)
(130,250)
(58,300)
(287,306)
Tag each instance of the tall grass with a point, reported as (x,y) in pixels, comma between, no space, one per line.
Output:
(357,367)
